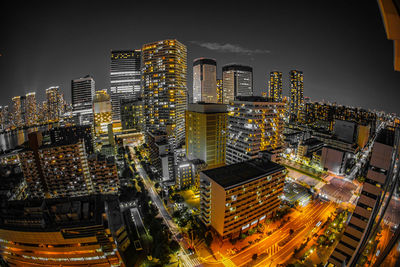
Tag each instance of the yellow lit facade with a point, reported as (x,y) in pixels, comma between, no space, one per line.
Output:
(275,86)
(219,91)
(54,104)
(206,126)
(102,112)
(296,95)
(164,83)
(16,119)
(31,116)
(254,125)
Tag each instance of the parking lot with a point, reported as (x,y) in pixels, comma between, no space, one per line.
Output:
(293,192)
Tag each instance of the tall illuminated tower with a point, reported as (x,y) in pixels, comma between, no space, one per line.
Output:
(219,91)
(82,93)
(204,80)
(165,88)
(30,110)
(53,104)
(275,86)
(16,112)
(101,112)
(237,81)
(296,94)
(124,78)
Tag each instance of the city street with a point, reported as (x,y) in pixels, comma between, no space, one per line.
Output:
(185,258)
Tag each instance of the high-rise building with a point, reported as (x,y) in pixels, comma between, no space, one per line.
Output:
(237,81)
(204,80)
(370,202)
(31,109)
(296,95)
(206,126)
(80,231)
(53,104)
(161,156)
(82,93)
(236,198)
(220,91)
(4,117)
(72,134)
(165,88)
(255,124)
(16,117)
(275,86)
(102,112)
(132,115)
(125,80)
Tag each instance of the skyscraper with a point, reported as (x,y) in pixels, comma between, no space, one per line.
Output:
(204,80)
(82,93)
(132,115)
(220,91)
(275,86)
(16,112)
(101,112)
(30,110)
(206,126)
(53,104)
(165,88)
(124,78)
(296,94)
(255,124)
(237,81)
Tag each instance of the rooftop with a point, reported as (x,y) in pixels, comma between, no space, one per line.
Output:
(241,173)
(386,137)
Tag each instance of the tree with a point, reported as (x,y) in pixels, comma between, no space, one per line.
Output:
(174,246)
(208,239)
(254,257)
(291,231)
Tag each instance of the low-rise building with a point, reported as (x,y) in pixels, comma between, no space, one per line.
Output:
(235,198)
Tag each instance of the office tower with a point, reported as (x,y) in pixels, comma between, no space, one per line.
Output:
(31,112)
(204,80)
(372,198)
(23,110)
(125,77)
(53,104)
(275,86)
(219,91)
(82,93)
(237,81)
(71,134)
(254,125)
(102,112)
(165,88)
(206,126)
(132,115)
(296,95)
(16,117)
(236,198)
(81,231)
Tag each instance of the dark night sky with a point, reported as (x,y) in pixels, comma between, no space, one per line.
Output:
(340,45)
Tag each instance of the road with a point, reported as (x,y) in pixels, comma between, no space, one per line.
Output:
(185,258)
(311,215)
(364,154)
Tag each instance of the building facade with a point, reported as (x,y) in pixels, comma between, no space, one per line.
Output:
(275,86)
(204,80)
(220,91)
(31,109)
(236,198)
(102,112)
(237,81)
(60,232)
(206,126)
(165,88)
(255,124)
(296,94)
(125,77)
(53,105)
(132,115)
(82,94)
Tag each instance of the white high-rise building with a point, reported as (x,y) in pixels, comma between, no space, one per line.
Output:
(124,79)
(237,81)
(82,93)
(204,80)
